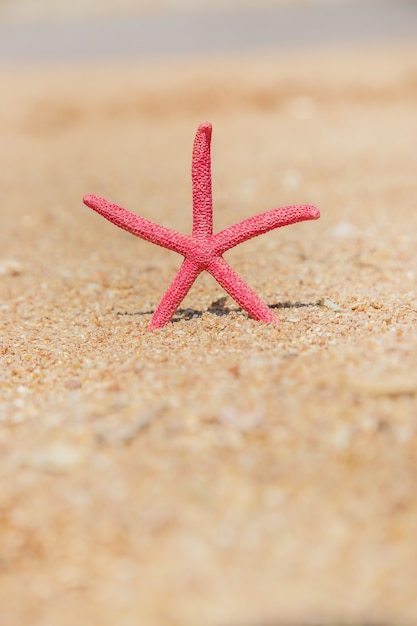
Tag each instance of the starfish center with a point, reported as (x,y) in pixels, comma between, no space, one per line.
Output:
(202,252)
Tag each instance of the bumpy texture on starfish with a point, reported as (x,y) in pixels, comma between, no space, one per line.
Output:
(203,250)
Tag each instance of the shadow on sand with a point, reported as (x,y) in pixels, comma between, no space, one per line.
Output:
(219,308)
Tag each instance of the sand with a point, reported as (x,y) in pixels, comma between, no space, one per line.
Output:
(217,472)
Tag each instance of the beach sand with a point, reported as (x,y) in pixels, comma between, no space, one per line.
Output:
(217,472)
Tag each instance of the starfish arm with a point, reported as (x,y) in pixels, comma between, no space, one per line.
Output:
(139,226)
(201,182)
(240,291)
(262,223)
(175,293)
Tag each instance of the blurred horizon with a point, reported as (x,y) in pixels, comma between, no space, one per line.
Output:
(90,29)
(55,9)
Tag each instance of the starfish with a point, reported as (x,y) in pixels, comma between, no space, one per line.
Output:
(203,250)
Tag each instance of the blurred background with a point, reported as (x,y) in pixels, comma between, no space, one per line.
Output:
(61,29)
(22,8)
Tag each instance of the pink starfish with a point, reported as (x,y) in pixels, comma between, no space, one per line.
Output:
(203,250)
